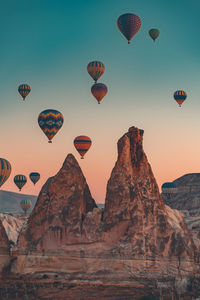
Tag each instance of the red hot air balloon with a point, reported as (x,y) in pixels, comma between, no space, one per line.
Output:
(99,90)
(82,144)
(129,25)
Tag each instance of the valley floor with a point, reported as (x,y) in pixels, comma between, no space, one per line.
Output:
(44,288)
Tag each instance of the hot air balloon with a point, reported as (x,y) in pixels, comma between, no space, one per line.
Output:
(99,90)
(180,97)
(24,90)
(34,177)
(169,189)
(25,205)
(95,69)
(50,121)
(154,33)
(20,181)
(82,144)
(5,170)
(129,25)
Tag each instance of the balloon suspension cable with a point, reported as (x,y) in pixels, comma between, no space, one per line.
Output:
(50,142)
(20,190)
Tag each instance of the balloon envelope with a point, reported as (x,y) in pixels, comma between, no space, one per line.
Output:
(20,181)
(24,90)
(154,33)
(25,205)
(180,97)
(50,121)
(95,69)
(129,25)
(5,170)
(34,177)
(82,144)
(99,90)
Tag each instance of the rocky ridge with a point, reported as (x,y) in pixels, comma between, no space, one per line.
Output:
(187,201)
(136,235)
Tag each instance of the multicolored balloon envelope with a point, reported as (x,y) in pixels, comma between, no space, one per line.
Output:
(50,121)
(99,90)
(25,205)
(129,25)
(5,170)
(20,181)
(154,33)
(24,90)
(95,69)
(82,144)
(180,97)
(34,177)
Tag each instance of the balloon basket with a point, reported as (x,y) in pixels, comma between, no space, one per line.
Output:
(50,142)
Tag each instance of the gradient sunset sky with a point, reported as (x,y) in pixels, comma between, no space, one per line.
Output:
(48,45)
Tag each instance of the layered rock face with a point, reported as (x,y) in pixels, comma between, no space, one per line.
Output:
(133,198)
(187,200)
(12,226)
(4,248)
(187,196)
(62,205)
(66,232)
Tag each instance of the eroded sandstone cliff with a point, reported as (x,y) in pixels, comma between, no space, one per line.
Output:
(136,235)
(4,248)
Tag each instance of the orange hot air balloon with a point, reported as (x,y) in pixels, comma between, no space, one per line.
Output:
(99,90)
(82,144)
(96,69)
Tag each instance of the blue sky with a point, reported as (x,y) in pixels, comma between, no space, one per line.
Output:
(48,44)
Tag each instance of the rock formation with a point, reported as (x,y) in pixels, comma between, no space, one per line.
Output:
(4,248)
(133,198)
(12,226)
(187,196)
(136,235)
(58,216)
(187,200)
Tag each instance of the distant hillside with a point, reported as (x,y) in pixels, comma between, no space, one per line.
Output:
(188,194)
(10,202)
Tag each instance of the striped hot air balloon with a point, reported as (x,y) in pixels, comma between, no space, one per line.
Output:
(20,181)
(50,121)
(34,177)
(25,205)
(5,170)
(24,90)
(95,69)
(129,25)
(82,144)
(99,90)
(180,97)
